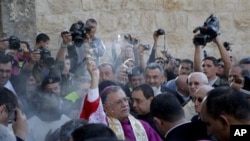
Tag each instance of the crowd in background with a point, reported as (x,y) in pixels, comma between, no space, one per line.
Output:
(75,97)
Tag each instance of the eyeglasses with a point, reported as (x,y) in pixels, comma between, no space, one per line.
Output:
(121,101)
(197,98)
(193,83)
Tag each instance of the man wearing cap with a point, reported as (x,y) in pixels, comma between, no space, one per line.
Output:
(51,84)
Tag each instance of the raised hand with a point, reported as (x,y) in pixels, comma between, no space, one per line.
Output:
(20,124)
(94,73)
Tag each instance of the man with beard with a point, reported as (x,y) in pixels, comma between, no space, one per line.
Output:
(49,118)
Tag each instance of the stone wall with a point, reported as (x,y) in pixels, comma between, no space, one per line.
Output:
(142,17)
(18,17)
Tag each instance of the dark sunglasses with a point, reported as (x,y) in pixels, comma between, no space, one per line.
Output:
(195,98)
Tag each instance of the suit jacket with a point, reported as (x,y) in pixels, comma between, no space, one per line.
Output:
(183,132)
(220,82)
(166,89)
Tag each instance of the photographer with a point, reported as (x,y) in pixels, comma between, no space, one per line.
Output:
(209,65)
(19,52)
(132,52)
(80,43)
(168,63)
(21,57)
(42,42)
(41,62)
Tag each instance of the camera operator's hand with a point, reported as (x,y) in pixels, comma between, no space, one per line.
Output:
(94,73)
(35,56)
(87,38)
(194,42)
(67,39)
(140,49)
(11,52)
(217,39)
(20,126)
(23,47)
(4,44)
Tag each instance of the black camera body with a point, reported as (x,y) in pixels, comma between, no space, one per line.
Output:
(14,43)
(78,32)
(208,31)
(45,53)
(227,46)
(160,32)
(46,56)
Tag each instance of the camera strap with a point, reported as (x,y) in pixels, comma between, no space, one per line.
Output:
(164,44)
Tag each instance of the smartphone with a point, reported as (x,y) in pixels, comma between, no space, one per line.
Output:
(12,116)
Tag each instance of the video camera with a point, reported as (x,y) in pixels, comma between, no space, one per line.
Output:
(78,32)
(208,31)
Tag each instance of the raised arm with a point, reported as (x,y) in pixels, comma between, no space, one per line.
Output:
(92,110)
(67,40)
(153,51)
(224,55)
(197,57)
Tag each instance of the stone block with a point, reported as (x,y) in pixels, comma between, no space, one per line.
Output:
(52,23)
(242,21)
(64,6)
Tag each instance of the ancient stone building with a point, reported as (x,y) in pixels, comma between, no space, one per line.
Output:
(26,18)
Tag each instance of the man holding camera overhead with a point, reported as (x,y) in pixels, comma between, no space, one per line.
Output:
(80,43)
(209,65)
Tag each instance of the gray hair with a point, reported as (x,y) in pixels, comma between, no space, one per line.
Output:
(153,66)
(201,75)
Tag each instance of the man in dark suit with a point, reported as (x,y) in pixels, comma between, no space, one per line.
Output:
(223,107)
(170,119)
(154,76)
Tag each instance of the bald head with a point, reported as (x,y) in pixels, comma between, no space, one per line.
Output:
(182,85)
(199,96)
(181,80)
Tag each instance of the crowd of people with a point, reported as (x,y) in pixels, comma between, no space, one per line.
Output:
(74,97)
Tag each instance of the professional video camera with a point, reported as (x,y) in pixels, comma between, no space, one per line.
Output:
(14,43)
(208,31)
(78,32)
